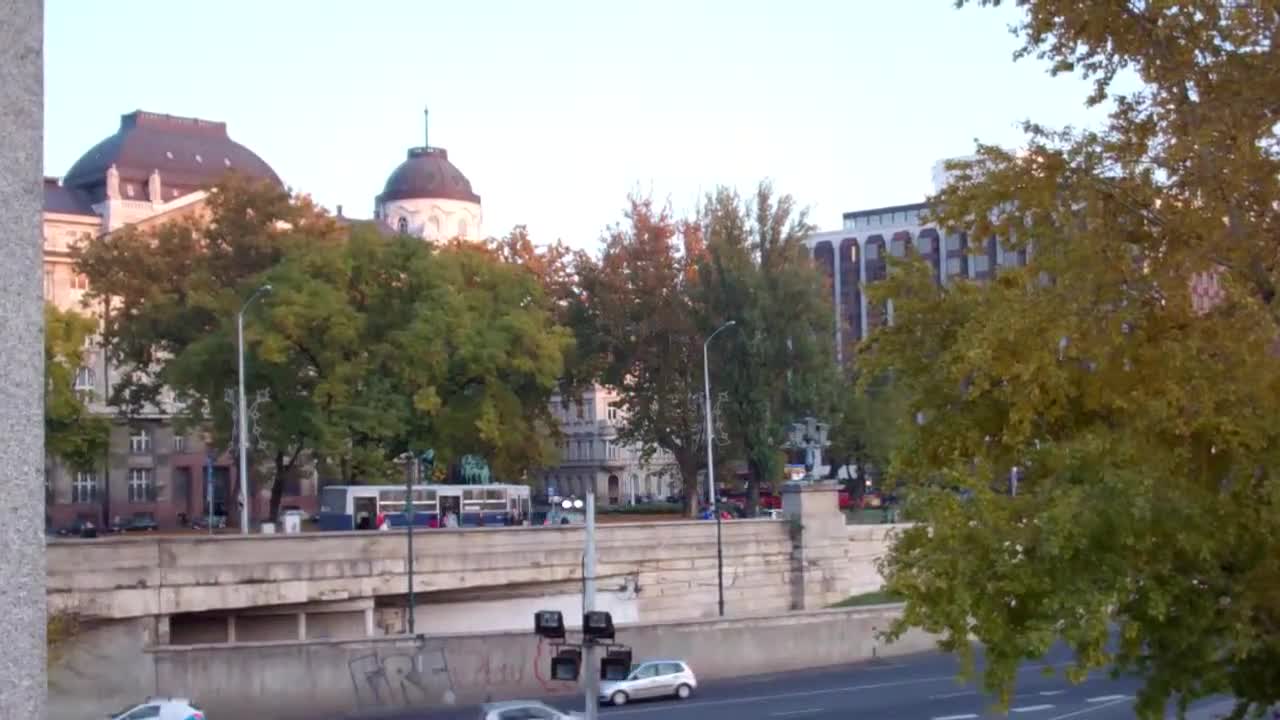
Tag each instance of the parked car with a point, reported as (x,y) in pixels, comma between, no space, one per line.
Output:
(140,522)
(157,708)
(652,679)
(524,710)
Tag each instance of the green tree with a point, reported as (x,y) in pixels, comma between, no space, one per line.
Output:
(1144,426)
(171,294)
(865,431)
(777,364)
(637,318)
(407,346)
(72,434)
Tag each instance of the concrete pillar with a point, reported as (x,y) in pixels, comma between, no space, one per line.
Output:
(821,557)
(231,628)
(163,634)
(368,622)
(302,626)
(22,562)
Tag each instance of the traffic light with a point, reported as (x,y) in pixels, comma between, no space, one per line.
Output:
(597,625)
(549,624)
(566,665)
(616,664)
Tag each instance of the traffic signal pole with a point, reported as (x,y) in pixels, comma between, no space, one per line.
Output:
(589,661)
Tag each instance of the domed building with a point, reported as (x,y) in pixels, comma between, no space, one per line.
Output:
(428,196)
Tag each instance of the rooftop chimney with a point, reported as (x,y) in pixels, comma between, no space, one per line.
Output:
(426,141)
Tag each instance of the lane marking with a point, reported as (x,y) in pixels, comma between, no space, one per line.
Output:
(1107,698)
(1032,708)
(783,696)
(884,666)
(961,693)
(1086,711)
(1049,693)
(788,713)
(968,716)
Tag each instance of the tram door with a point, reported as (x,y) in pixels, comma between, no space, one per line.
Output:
(365,511)
(450,505)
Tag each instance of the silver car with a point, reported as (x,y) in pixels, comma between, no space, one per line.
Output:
(653,679)
(524,710)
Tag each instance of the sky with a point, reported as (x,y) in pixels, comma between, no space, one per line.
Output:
(558,110)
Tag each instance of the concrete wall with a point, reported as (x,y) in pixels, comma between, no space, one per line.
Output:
(310,679)
(670,566)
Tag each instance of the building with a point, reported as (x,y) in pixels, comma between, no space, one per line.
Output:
(153,169)
(856,255)
(591,455)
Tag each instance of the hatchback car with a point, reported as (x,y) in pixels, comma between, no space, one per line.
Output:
(653,679)
(161,709)
(524,710)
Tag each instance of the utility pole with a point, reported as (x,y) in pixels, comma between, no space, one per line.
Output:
(589,662)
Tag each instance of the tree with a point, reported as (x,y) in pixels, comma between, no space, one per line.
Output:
(171,294)
(777,365)
(1143,425)
(406,346)
(72,434)
(637,316)
(866,428)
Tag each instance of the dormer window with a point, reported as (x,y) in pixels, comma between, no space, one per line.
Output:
(403,226)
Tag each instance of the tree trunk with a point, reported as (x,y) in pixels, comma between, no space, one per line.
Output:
(688,464)
(277,487)
(754,477)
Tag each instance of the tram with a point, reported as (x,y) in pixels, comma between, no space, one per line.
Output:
(358,507)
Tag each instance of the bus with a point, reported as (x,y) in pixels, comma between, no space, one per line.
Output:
(358,507)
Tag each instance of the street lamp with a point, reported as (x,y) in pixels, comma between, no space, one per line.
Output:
(242,414)
(711,474)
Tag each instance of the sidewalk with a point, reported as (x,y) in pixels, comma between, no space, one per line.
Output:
(1219,708)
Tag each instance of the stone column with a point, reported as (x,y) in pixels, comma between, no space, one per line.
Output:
(821,560)
(22,563)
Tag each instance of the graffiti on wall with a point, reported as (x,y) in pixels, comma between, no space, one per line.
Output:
(419,676)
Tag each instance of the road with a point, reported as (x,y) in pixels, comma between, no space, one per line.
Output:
(917,687)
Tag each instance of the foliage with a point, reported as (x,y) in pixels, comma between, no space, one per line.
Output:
(777,364)
(1146,431)
(637,319)
(72,435)
(409,346)
(172,293)
(867,427)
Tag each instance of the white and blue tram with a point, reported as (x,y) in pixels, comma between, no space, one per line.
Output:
(358,507)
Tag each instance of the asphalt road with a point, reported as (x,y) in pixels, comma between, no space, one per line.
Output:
(917,687)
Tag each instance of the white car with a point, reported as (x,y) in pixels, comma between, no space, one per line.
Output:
(653,679)
(524,710)
(157,708)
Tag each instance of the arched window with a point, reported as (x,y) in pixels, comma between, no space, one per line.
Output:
(435,226)
(462,228)
(403,226)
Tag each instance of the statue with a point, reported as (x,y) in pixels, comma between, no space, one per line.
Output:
(153,187)
(113,182)
(474,470)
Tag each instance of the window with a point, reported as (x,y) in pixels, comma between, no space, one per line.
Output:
(645,671)
(84,487)
(143,713)
(139,441)
(79,281)
(873,251)
(954,266)
(898,248)
(462,228)
(142,486)
(84,378)
(670,669)
(954,242)
(613,413)
(48,282)
(981,263)
(179,443)
(129,190)
(402,225)
(581,410)
(435,227)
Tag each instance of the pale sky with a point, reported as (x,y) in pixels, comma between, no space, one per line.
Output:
(556,110)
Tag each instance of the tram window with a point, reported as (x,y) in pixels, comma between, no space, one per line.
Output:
(421,496)
(428,495)
(393,496)
(470,495)
(493,494)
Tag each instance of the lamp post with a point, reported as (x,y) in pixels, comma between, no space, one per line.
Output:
(242,413)
(711,474)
